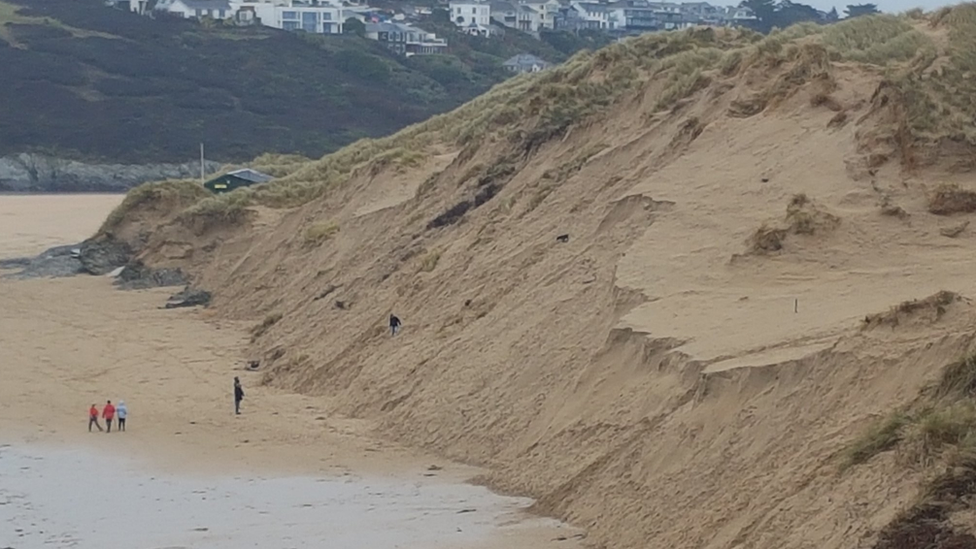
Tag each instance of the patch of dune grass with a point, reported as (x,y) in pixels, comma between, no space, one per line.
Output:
(958,379)
(172,194)
(880,437)
(318,233)
(217,210)
(878,40)
(429,262)
(266,324)
(942,419)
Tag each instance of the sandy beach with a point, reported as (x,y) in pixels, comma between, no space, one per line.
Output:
(72,342)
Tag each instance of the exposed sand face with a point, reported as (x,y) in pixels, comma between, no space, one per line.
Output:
(69,343)
(29,224)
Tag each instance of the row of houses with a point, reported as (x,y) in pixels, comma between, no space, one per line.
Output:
(311,16)
(620,16)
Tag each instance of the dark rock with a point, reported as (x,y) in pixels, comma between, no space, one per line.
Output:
(137,276)
(15,262)
(103,255)
(563,238)
(59,261)
(189,297)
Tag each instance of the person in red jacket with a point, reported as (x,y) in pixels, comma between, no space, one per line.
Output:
(93,418)
(109,414)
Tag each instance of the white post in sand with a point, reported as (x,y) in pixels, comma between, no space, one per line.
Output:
(201,164)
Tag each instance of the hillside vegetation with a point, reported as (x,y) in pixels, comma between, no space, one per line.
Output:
(704,289)
(88,82)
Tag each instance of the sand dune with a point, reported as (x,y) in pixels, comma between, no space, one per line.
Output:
(688,369)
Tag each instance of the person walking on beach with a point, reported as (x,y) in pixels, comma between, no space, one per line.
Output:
(109,414)
(122,411)
(394,324)
(93,418)
(238,395)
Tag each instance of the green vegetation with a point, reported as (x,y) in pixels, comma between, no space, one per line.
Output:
(882,436)
(943,418)
(173,195)
(429,262)
(261,329)
(89,82)
(318,233)
(938,430)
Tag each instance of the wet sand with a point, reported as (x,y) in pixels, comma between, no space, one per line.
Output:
(45,502)
(68,343)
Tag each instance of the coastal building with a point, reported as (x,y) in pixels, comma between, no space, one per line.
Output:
(196,9)
(525,62)
(312,16)
(405,40)
(471,16)
(236,179)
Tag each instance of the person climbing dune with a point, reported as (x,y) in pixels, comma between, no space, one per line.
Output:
(238,395)
(394,324)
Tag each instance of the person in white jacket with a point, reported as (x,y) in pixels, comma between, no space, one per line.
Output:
(122,411)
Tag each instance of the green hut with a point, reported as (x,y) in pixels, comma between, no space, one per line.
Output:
(238,178)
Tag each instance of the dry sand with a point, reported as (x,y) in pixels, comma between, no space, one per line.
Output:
(68,343)
(29,224)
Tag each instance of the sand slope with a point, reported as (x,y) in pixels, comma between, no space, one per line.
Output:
(649,378)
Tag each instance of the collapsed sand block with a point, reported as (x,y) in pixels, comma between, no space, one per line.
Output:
(803,217)
(949,198)
(928,310)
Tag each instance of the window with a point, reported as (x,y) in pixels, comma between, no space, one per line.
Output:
(310,21)
(474,11)
(459,11)
(199,13)
(289,15)
(289,25)
(223,14)
(326,16)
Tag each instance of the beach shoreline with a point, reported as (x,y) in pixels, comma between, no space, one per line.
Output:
(72,342)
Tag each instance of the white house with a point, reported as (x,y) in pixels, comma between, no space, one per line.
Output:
(595,16)
(525,62)
(468,13)
(294,15)
(196,9)
(547,10)
(406,40)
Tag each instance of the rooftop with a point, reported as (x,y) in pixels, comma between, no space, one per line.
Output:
(248,174)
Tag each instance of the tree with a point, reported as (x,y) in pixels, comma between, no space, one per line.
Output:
(857,10)
(354,26)
(832,16)
(764,11)
(787,13)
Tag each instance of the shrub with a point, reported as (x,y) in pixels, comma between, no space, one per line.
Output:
(429,262)
(318,233)
(171,195)
(880,437)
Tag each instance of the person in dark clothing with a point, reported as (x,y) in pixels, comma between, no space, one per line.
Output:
(108,412)
(394,324)
(238,395)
